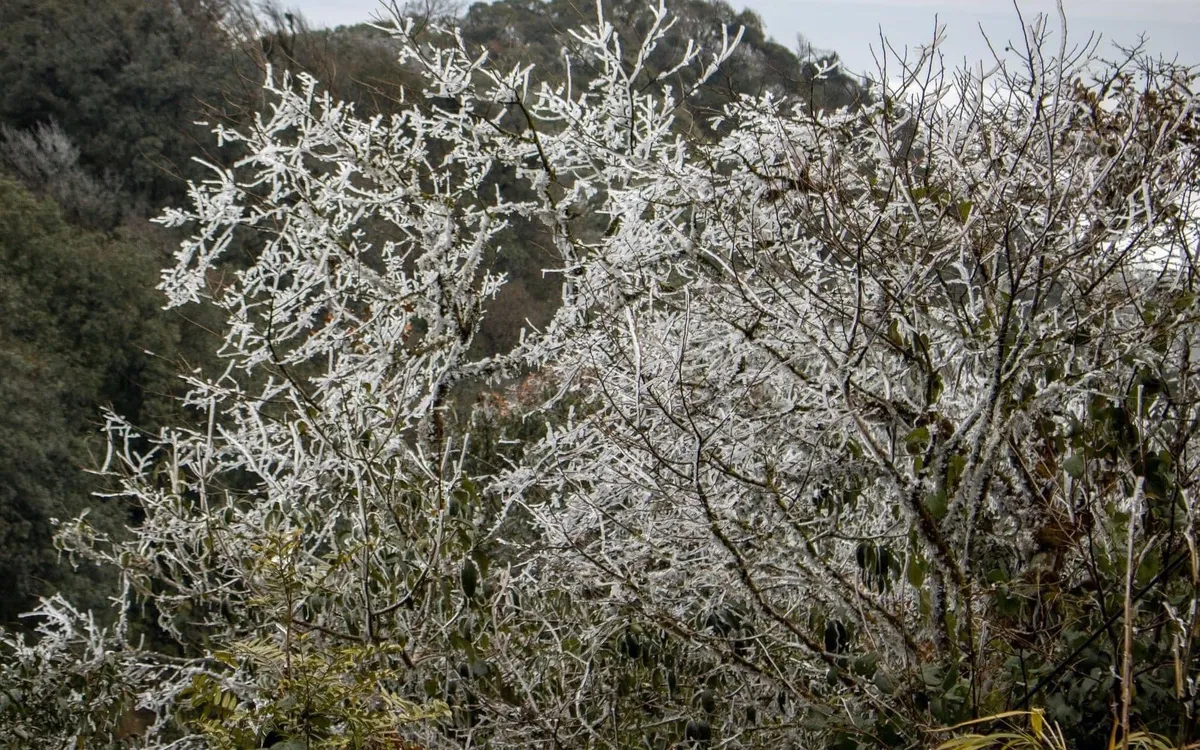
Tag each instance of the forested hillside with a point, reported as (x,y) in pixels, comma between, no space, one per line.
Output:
(565,375)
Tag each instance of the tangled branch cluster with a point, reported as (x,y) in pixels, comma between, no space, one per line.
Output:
(849,416)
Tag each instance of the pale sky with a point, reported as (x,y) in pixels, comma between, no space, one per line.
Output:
(852,27)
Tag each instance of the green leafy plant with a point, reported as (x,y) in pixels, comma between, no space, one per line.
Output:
(1041,734)
(307,692)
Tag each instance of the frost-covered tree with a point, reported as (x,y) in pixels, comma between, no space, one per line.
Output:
(850,424)
(893,408)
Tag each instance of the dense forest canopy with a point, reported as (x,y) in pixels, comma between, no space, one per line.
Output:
(578,377)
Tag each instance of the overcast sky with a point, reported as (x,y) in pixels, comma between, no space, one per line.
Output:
(851,27)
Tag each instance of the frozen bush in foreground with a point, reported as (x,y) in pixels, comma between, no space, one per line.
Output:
(861,422)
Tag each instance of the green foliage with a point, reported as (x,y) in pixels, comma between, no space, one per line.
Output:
(527,32)
(46,161)
(310,694)
(71,689)
(125,79)
(80,319)
(1042,734)
(307,688)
